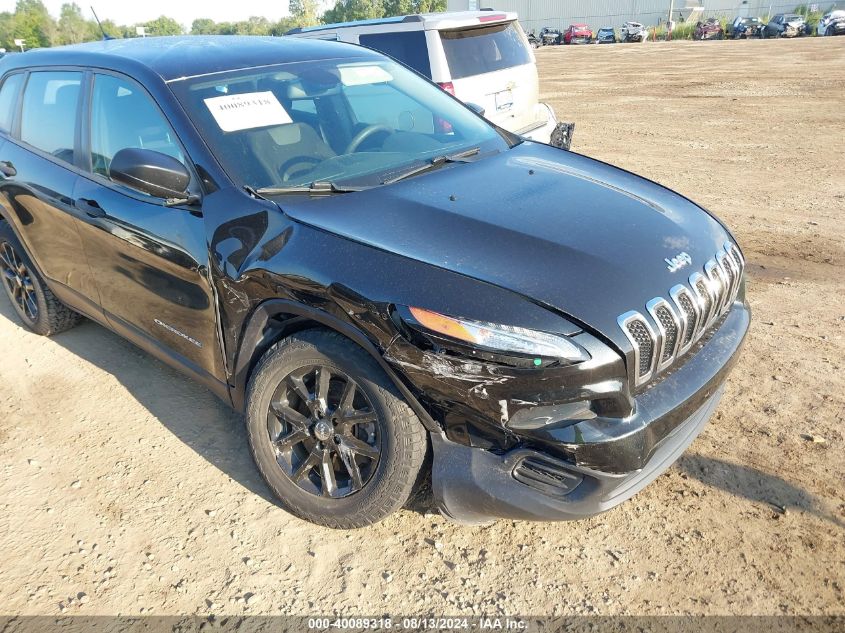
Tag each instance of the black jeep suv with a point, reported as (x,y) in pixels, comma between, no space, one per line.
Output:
(385,283)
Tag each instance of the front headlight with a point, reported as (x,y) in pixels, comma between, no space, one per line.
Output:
(501,338)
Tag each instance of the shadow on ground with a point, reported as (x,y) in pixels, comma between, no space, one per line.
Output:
(753,484)
(188,410)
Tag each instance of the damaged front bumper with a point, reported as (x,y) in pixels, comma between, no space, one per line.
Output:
(548,130)
(571,471)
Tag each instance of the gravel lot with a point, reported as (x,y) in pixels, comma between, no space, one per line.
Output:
(128,489)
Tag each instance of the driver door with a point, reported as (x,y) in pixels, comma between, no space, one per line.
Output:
(150,261)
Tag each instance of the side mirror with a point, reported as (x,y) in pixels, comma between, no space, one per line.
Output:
(150,172)
(476,108)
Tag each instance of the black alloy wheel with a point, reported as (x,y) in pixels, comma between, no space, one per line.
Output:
(324,431)
(18,283)
(330,433)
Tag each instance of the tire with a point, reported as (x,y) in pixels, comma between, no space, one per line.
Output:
(35,304)
(296,433)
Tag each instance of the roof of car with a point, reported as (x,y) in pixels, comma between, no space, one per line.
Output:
(443,20)
(186,56)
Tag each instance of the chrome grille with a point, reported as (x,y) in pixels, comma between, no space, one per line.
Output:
(667,325)
(674,327)
(665,318)
(643,338)
(688,313)
(730,275)
(705,298)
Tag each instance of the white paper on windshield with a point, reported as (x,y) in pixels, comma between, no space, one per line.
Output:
(247,111)
(363,75)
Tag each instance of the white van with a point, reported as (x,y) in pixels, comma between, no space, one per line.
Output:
(481,57)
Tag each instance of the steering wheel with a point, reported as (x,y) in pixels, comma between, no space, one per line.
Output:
(364,134)
(296,164)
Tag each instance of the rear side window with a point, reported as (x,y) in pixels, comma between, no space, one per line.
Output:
(8,100)
(50,112)
(485,49)
(408,47)
(123,116)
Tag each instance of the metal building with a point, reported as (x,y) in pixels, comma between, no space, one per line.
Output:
(535,14)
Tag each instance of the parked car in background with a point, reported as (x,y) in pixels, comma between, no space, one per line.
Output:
(832,23)
(633,32)
(549,36)
(577,34)
(606,35)
(786,25)
(481,57)
(533,40)
(745,27)
(387,300)
(709,29)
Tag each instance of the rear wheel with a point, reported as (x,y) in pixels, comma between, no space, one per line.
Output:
(36,305)
(329,432)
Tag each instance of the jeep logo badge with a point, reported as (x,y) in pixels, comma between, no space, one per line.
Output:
(678,261)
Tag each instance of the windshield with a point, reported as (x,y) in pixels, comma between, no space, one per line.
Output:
(485,49)
(345,121)
(792,18)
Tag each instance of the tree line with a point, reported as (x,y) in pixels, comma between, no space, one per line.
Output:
(32,23)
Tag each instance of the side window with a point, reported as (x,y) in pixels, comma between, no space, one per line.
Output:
(50,112)
(122,116)
(8,100)
(408,47)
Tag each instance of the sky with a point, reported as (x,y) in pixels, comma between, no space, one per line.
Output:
(183,11)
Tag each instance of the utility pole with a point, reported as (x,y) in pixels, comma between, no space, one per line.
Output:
(669,21)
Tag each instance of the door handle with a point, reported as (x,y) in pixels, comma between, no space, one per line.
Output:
(7,169)
(91,207)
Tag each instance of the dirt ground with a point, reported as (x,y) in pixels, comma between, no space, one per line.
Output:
(127,483)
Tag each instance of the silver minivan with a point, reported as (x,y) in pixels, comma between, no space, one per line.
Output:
(481,57)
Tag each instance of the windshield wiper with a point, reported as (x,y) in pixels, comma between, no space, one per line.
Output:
(318,187)
(433,163)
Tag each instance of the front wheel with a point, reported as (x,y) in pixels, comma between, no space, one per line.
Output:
(329,432)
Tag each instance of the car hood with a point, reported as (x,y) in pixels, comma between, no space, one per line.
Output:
(566,231)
